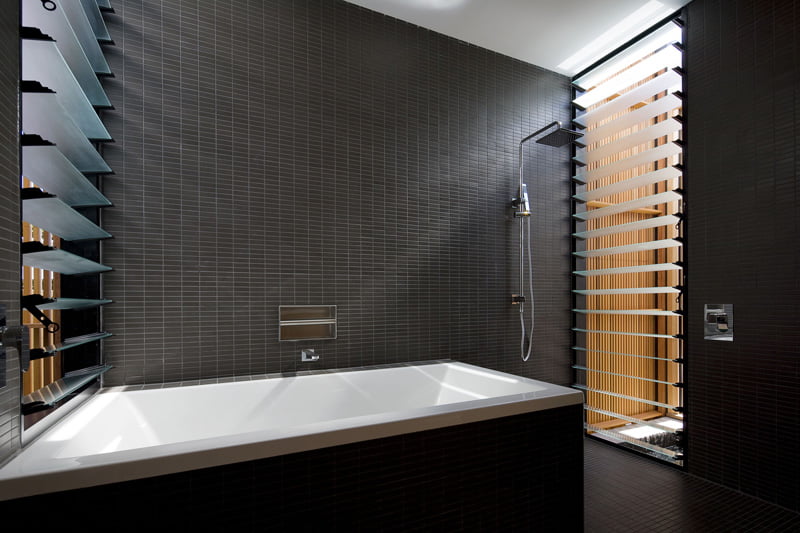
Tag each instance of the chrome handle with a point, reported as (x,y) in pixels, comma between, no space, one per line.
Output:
(2,346)
(308,355)
(17,337)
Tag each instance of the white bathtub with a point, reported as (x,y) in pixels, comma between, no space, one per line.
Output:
(121,434)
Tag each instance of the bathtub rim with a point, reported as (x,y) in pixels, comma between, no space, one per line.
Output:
(170,458)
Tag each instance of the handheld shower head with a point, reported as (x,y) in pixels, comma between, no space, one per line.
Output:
(525,206)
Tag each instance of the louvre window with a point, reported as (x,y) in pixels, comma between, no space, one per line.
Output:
(628,246)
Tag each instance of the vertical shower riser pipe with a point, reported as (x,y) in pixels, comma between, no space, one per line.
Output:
(524,213)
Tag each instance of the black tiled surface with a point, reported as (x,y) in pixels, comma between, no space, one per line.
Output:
(742,167)
(9,218)
(315,152)
(625,492)
(518,473)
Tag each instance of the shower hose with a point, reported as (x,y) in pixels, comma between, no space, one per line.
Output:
(526,246)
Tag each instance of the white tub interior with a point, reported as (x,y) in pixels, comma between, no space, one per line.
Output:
(124,434)
(117,420)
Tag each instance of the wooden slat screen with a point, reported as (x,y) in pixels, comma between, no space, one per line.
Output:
(44,371)
(618,372)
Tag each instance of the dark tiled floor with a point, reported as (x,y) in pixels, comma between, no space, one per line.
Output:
(626,492)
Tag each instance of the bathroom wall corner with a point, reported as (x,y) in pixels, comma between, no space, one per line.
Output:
(9,219)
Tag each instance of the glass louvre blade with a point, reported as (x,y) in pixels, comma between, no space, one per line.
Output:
(630,205)
(666,220)
(626,397)
(631,419)
(56,217)
(643,180)
(74,304)
(669,455)
(658,267)
(96,21)
(669,81)
(60,389)
(83,31)
(668,57)
(104,4)
(628,248)
(662,359)
(72,342)
(48,168)
(640,312)
(43,62)
(55,24)
(667,127)
(57,260)
(43,115)
(604,332)
(665,151)
(629,290)
(617,374)
(665,104)
(668,34)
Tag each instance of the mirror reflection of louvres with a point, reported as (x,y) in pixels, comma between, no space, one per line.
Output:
(62,137)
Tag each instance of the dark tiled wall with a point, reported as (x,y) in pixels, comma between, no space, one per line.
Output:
(506,474)
(315,152)
(743,70)
(9,218)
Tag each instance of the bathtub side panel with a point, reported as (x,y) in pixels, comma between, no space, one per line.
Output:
(523,472)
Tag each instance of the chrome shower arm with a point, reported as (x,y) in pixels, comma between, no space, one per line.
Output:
(535,133)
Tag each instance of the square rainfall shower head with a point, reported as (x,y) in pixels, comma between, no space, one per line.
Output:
(560,137)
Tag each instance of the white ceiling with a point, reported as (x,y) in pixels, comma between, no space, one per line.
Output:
(543,32)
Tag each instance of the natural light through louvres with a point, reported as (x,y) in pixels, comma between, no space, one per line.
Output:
(667,34)
(616,35)
(669,57)
(485,374)
(79,420)
(641,432)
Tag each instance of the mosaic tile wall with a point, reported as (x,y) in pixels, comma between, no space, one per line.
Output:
(310,152)
(743,397)
(9,220)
